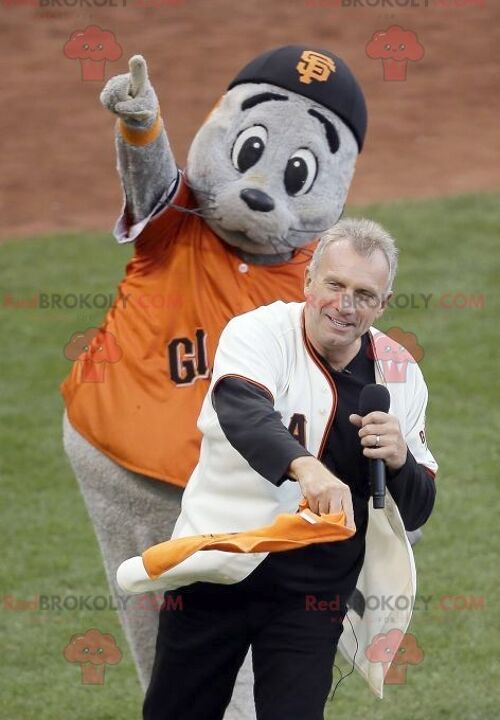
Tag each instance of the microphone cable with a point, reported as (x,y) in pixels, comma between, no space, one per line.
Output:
(343,677)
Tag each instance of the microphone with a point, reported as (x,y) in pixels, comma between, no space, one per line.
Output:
(373,398)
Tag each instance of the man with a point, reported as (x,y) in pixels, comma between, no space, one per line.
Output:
(280,422)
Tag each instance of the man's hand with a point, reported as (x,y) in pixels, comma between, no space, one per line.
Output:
(391,446)
(324,492)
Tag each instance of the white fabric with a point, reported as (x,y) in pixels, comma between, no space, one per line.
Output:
(125,233)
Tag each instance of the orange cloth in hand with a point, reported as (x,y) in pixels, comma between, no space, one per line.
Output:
(287,532)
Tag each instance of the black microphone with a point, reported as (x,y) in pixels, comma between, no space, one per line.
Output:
(373,398)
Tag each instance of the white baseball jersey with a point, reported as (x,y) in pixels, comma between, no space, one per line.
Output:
(268,347)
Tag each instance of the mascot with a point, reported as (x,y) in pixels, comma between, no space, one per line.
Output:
(267,172)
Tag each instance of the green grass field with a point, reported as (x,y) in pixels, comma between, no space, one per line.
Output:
(449,250)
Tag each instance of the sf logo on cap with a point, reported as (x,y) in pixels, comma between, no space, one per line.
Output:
(314,66)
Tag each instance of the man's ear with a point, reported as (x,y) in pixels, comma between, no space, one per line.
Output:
(384,303)
(307,280)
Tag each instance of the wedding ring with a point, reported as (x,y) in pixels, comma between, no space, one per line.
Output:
(377,441)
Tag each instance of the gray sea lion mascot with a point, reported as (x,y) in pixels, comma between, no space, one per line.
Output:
(266,173)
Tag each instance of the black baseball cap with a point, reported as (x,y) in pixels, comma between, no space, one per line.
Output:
(316,74)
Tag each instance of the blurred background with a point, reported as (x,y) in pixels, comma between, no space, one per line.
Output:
(434,134)
(430,172)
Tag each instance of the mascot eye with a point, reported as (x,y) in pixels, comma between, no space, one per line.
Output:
(300,172)
(248,148)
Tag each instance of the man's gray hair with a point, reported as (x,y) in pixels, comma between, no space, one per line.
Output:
(365,236)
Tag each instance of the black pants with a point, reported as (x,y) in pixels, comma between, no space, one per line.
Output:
(204,634)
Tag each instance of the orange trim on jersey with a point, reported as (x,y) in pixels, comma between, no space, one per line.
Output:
(242,377)
(140,136)
(317,360)
(429,472)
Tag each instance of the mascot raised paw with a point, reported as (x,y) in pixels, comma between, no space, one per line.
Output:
(266,173)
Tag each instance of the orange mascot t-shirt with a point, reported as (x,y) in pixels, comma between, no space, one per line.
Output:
(136,391)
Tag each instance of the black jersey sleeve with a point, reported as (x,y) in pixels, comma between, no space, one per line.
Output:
(255,429)
(414,491)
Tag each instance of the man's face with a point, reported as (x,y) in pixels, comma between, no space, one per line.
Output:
(344,295)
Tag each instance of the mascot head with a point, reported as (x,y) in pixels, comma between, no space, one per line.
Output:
(272,165)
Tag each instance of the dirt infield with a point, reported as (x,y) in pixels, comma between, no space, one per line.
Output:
(433,133)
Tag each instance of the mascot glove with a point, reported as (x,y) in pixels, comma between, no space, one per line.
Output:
(131,95)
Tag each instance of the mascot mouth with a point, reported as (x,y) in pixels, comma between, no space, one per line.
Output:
(267,245)
(239,238)
(269,241)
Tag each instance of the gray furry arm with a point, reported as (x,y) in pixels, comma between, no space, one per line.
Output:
(146,164)
(146,172)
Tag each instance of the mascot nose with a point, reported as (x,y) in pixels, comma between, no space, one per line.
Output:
(257,200)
